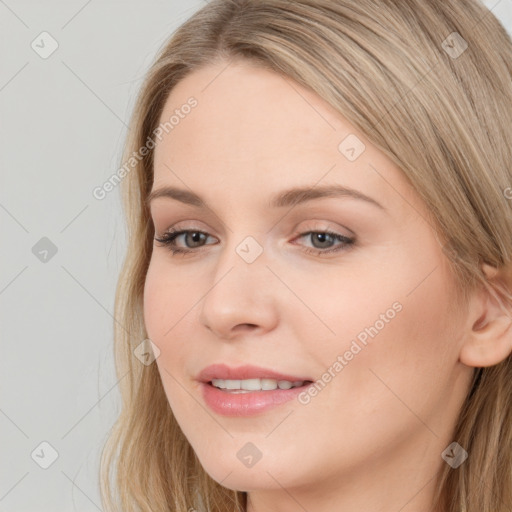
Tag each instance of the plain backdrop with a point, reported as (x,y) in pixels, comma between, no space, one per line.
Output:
(69,74)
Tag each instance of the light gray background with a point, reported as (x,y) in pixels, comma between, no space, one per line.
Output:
(62,125)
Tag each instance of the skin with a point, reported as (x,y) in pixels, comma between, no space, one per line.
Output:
(372,438)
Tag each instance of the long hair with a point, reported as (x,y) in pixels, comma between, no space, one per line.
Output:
(429,83)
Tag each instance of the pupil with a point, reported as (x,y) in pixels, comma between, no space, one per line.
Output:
(322,237)
(196,237)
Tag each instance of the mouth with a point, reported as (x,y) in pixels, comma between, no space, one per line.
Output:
(248,390)
(249,378)
(255,384)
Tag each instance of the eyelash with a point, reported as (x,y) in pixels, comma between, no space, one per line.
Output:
(168,241)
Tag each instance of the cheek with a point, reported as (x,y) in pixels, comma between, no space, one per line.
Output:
(162,310)
(163,306)
(392,334)
(408,353)
(170,307)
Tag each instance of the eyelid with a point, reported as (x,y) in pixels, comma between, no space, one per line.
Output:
(320,225)
(182,225)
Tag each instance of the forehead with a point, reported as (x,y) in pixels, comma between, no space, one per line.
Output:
(242,107)
(255,131)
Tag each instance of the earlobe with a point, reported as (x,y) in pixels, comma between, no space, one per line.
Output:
(489,339)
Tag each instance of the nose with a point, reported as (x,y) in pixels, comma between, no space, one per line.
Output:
(241,297)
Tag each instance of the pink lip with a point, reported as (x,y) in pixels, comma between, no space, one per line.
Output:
(222,371)
(228,403)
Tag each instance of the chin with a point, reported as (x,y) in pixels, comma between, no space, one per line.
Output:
(230,472)
(242,479)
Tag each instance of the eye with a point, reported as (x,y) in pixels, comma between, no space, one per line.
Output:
(322,238)
(194,239)
(192,236)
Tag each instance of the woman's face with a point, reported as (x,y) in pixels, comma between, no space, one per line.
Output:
(366,314)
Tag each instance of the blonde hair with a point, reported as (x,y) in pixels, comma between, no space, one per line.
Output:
(393,70)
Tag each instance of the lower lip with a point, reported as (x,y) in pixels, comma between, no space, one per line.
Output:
(246,404)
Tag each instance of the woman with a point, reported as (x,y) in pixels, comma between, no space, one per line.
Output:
(315,308)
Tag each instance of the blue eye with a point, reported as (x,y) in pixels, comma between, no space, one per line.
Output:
(196,237)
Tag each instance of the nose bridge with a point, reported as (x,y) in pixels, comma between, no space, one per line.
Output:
(240,291)
(245,258)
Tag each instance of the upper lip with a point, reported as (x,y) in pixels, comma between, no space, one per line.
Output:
(222,371)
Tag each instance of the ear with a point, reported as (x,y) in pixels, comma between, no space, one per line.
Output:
(488,339)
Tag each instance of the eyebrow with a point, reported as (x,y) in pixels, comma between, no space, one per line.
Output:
(285,198)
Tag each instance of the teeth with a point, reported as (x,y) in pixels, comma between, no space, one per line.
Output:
(250,384)
(268,384)
(232,384)
(255,384)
